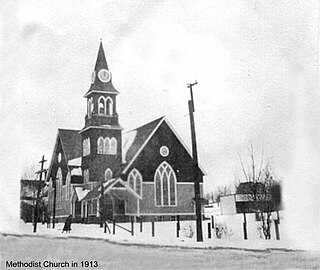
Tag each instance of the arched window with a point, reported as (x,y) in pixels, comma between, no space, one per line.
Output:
(135,181)
(109,106)
(165,185)
(107,175)
(58,183)
(86,147)
(101,105)
(101,147)
(89,107)
(86,176)
(68,186)
(107,145)
(113,146)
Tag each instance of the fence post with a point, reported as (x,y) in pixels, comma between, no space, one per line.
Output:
(178,229)
(178,221)
(209,230)
(212,222)
(114,227)
(245,227)
(276,223)
(141,224)
(152,228)
(132,226)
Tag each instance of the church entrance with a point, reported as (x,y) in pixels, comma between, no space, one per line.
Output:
(108,209)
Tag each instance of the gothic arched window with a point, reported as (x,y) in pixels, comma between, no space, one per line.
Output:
(102,105)
(107,175)
(135,181)
(101,147)
(113,146)
(165,185)
(68,185)
(109,106)
(107,145)
(86,147)
(58,183)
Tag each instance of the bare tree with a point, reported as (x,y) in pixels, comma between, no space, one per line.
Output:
(259,189)
(29,172)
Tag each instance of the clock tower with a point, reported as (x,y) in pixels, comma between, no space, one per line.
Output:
(101,135)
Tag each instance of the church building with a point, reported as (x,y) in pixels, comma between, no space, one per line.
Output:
(146,172)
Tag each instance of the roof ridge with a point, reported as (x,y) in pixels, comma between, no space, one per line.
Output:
(157,119)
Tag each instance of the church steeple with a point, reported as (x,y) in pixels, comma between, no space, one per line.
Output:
(101,135)
(101,79)
(101,97)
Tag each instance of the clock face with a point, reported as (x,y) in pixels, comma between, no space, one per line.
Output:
(104,75)
(93,76)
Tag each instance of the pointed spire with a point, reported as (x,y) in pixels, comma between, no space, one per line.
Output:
(101,81)
(101,59)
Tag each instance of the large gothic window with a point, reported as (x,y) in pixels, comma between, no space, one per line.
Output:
(101,146)
(101,105)
(109,106)
(135,181)
(107,175)
(165,185)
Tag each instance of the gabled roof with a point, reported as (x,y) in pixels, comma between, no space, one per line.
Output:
(134,140)
(113,183)
(71,142)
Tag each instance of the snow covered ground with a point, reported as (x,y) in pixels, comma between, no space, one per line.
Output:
(165,235)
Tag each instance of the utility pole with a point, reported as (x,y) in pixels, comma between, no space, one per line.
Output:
(196,175)
(38,194)
(54,179)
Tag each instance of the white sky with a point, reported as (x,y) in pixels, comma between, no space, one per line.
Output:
(255,62)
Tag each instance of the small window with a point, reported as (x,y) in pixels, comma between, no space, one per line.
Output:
(107,145)
(101,146)
(59,183)
(86,147)
(109,106)
(101,105)
(108,175)
(113,146)
(86,176)
(135,181)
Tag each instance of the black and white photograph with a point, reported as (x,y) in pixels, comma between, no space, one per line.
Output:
(157,134)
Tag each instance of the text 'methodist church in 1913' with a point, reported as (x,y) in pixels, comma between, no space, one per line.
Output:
(146,172)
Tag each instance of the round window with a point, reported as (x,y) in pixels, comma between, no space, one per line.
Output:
(164,151)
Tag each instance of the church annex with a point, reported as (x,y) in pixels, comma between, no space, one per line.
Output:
(145,172)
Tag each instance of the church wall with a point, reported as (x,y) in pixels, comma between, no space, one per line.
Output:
(62,206)
(150,158)
(185,193)
(98,163)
